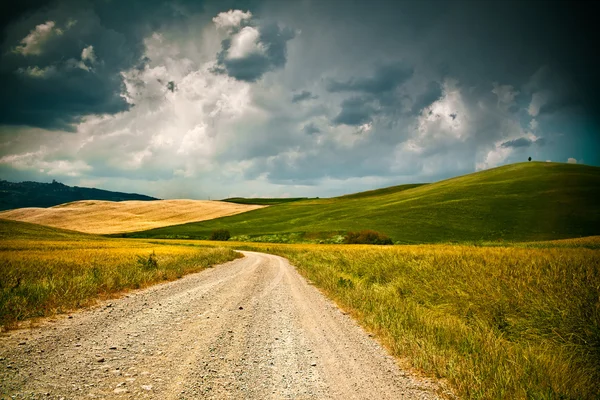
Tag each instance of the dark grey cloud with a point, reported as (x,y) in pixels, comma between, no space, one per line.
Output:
(523,142)
(60,101)
(378,94)
(11,10)
(250,67)
(332,161)
(432,93)
(452,53)
(303,95)
(516,143)
(51,85)
(385,78)
(355,111)
(311,129)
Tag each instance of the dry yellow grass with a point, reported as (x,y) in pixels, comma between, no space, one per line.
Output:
(77,272)
(106,217)
(518,322)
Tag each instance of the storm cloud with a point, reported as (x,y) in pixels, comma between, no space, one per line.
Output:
(304,95)
(355,111)
(523,142)
(251,49)
(311,129)
(63,61)
(273,98)
(384,79)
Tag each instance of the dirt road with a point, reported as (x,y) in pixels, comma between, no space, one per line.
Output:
(248,329)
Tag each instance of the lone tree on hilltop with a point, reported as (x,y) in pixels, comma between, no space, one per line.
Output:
(529,159)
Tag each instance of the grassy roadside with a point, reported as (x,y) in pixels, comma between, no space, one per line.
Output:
(495,322)
(45,271)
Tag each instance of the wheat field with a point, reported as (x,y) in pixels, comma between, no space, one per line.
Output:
(46,271)
(108,217)
(499,322)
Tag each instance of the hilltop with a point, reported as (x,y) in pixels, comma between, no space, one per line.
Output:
(36,194)
(519,202)
(106,217)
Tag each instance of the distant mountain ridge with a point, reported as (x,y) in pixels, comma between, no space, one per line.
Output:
(37,194)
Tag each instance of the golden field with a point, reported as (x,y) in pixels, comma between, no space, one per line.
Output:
(106,217)
(495,322)
(513,321)
(46,271)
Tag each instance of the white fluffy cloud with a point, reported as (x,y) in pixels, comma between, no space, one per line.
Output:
(88,55)
(177,131)
(88,59)
(444,121)
(249,51)
(245,43)
(494,157)
(466,126)
(231,18)
(505,148)
(33,43)
(571,160)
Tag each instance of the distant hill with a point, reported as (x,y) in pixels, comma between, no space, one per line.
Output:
(108,217)
(36,194)
(529,201)
(263,201)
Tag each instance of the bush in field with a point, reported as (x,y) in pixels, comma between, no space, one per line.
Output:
(148,263)
(367,237)
(220,234)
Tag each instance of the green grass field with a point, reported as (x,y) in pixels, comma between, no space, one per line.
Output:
(519,202)
(45,271)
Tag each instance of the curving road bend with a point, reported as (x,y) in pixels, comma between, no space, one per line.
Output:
(252,328)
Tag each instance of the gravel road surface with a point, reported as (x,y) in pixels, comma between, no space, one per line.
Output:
(252,328)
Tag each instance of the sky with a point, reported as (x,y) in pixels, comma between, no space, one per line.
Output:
(256,98)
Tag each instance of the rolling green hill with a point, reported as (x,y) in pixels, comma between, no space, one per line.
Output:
(519,202)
